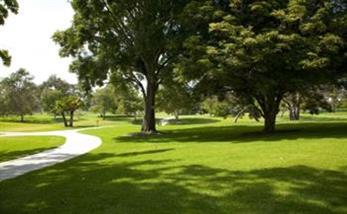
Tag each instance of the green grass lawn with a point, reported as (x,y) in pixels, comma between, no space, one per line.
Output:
(16,147)
(202,165)
(44,122)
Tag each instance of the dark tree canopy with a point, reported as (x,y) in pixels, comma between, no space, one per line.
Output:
(261,50)
(133,40)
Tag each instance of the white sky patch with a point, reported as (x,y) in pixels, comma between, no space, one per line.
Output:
(28,38)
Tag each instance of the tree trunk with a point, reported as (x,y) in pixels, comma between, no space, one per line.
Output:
(71,118)
(270,122)
(149,123)
(294,113)
(177,115)
(294,103)
(270,107)
(104,114)
(239,115)
(64,119)
(22,118)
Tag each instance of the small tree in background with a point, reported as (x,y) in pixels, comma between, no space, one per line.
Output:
(52,90)
(129,102)
(49,98)
(215,107)
(103,101)
(68,105)
(19,94)
(175,98)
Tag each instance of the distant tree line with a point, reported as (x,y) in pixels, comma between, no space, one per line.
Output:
(20,96)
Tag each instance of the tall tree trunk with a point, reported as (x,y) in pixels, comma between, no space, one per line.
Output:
(149,123)
(71,118)
(64,119)
(22,118)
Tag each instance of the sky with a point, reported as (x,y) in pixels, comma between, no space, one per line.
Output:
(27,36)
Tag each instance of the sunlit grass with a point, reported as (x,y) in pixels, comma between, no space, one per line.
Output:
(45,122)
(199,165)
(15,147)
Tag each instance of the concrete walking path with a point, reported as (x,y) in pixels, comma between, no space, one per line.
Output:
(76,144)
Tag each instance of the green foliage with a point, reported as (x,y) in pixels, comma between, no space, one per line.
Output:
(129,102)
(68,104)
(133,40)
(217,108)
(48,99)
(261,50)
(6,58)
(18,94)
(55,83)
(52,90)
(103,101)
(6,7)
(175,98)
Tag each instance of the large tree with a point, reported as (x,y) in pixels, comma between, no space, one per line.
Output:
(134,40)
(7,6)
(261,50)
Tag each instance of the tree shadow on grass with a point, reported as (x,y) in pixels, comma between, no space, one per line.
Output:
(242,133)
(146,152)
(163,186)
(183,121)
(118,118)
(193,121)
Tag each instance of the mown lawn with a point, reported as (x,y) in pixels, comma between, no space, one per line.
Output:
(16,147)
(44,122)
(202,165)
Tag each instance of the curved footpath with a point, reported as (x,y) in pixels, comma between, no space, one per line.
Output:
(76,144)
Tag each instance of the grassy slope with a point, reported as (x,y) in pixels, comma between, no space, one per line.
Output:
(203,166)
(15,147)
